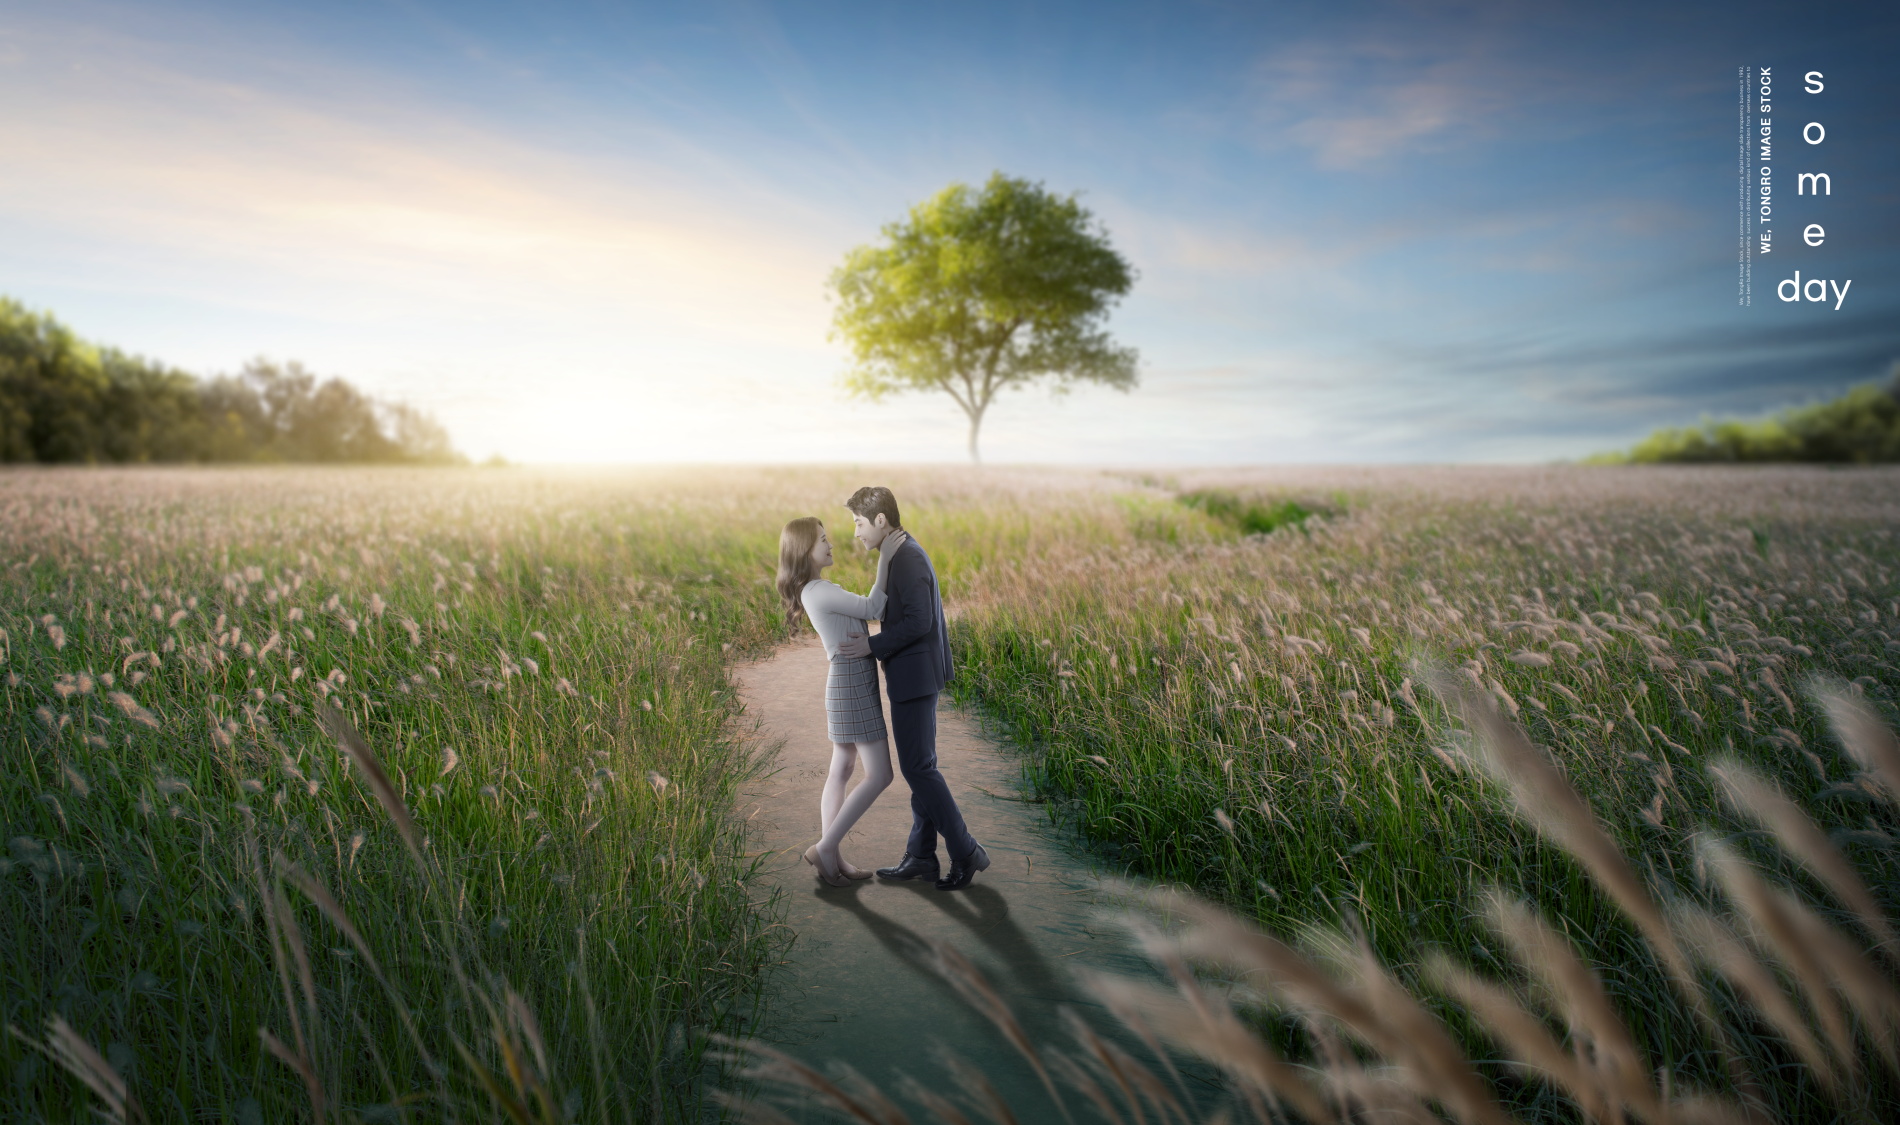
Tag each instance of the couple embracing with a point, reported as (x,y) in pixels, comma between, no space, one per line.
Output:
(914,648)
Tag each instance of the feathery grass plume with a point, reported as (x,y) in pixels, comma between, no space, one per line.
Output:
(1519,1031)
(979,993)
(1433,1065)
(1220,938)
(1378,1011)
(131,709)
(981,1090)
(78,1058)
(1869,991)
(297,1061)
(1134,1080)
(1575,990)
(352,744)
(333,910)
(1077,1077)
(1203,1024)
(1754,796)
(1546,798)
(770,1065)
(1866,738)
(1709,937)
(945,1110)
(1770,912)
(1131,1018)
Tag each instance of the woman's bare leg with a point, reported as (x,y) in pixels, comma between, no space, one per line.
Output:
(876,757)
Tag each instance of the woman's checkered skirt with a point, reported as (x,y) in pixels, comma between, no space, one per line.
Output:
(854,710)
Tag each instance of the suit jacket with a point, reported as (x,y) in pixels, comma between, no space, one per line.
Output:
(914,645)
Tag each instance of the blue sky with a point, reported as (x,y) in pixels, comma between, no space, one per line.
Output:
(601,232)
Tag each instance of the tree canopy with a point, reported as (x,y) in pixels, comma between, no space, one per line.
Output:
(979,291)
(63,399)
(1862,426)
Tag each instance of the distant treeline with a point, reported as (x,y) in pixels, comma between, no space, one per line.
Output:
(65,400)
(1861,427)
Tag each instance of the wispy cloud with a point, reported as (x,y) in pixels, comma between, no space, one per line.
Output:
(1379,95)
(131,143)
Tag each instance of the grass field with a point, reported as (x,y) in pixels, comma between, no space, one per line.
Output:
(1250,717)
(540,663)
(1219,679)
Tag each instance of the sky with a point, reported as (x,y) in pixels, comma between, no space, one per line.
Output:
(602,232)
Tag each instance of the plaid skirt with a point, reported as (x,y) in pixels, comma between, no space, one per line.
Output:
(854,709)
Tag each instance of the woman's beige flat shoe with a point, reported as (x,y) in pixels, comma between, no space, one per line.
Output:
(851,870)
(831,878)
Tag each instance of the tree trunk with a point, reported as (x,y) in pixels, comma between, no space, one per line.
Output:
(976,422)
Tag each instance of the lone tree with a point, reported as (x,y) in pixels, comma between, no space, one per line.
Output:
(982,290)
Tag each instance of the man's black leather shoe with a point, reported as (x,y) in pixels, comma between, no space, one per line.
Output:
(965,869)
(911,867)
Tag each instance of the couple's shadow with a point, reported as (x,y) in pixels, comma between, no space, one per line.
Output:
(1033,989)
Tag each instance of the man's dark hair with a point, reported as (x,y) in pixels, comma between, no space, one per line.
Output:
(873,500)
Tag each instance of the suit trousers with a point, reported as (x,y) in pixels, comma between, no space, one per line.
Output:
(932,809)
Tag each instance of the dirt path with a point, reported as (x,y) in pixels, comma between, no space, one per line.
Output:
(856,989)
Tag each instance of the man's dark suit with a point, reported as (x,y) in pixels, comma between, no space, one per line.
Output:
(914,647)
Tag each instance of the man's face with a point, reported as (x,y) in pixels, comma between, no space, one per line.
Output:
(870,532)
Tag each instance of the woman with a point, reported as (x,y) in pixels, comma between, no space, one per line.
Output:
(854,710)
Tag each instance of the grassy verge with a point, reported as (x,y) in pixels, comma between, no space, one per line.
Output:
(1248,718)
(540,664)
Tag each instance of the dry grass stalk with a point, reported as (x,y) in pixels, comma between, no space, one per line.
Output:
(1078,1078)
(351,743)
(977,991)
(770,1065)
(1718,945)
(1519,1031)
(943,1108)
(1573,988)
(1755,796)
(1374,1094)
(1778,926)
(980,1087)
(1131,1018)
(1435,1066)
(1869,991)
(1867,739)
(297,1061)
(1135,1080)
(1554,807)
(1205,1025)
(1102,1061)
(293,939)
(78,1058)
(1379,1012)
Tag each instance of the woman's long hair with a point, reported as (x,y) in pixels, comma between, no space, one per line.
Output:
(795,565)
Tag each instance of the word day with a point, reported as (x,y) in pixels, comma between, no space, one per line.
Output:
(1814,184)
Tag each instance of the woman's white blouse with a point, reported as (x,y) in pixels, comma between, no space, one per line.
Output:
(835,611)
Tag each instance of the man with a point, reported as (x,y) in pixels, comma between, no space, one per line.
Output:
(914,648)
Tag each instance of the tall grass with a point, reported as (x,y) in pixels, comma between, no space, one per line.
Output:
(1777,986)
(1248,716)
(537,659)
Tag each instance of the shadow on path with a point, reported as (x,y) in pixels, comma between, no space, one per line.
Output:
(858,985)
